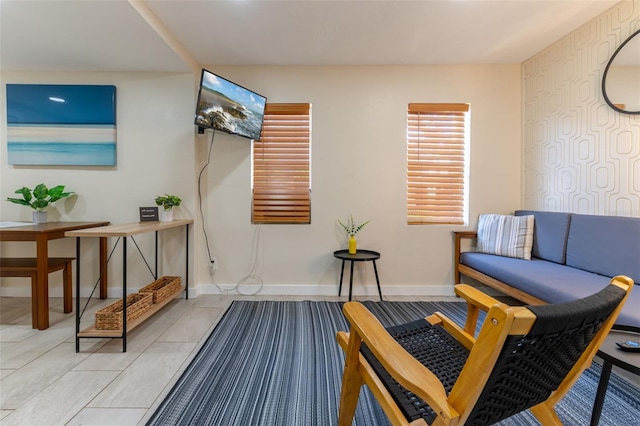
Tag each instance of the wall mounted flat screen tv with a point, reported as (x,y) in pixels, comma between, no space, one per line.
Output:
(228,107)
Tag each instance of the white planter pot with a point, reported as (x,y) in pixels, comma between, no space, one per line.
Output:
(40,217)
(165,215)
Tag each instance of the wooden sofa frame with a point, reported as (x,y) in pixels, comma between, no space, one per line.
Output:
(459,268)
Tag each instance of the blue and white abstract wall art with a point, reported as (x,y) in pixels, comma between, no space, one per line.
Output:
(61,125)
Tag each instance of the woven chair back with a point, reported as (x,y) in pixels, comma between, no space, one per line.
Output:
(529,368)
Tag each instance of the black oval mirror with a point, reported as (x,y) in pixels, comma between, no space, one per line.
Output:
(621,78)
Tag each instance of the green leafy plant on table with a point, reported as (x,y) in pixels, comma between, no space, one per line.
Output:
(168,201)
(40,197)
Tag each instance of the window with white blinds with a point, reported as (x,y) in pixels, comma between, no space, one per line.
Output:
(281,166)
(437,143)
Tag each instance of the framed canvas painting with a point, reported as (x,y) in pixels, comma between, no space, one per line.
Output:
(61,125)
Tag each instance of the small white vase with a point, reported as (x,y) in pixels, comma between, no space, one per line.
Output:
(166,215)
(39,217)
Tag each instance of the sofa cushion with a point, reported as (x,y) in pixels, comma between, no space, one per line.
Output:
(606,245)
(549,281)
(550,232)
(505,235)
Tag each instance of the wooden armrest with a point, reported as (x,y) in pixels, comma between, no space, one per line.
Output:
(465,234)
(458,236)
(476,301)
(462,336)
(403,367)
(475,297)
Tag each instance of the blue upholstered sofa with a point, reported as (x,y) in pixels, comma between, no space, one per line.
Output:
(573,256)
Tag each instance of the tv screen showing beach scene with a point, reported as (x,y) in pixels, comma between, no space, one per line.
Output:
(225,106)
(61,125)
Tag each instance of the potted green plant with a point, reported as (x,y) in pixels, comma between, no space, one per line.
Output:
(39,198)
(352,229)
(167,202)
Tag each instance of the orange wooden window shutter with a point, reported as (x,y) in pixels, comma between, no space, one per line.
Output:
(436,164)
(281,166)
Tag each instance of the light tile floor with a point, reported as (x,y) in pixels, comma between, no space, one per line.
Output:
(43,381)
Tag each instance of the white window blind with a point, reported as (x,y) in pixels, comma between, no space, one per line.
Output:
(436,163)
(281,165)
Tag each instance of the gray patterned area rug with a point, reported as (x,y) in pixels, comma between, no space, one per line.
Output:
(277,363)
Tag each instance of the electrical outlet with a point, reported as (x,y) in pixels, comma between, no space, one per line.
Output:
(213,265)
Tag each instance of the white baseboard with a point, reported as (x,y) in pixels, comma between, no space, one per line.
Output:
(323,290)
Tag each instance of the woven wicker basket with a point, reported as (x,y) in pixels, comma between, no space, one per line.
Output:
(110,317)
(162,288)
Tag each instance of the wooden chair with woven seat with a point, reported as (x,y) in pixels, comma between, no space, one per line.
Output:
(432,371)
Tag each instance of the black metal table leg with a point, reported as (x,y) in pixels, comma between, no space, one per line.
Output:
(155,274)
(601,393)
(341,275)
(186,272)
(351,280)
(375,269)
(77,293)
(124,294)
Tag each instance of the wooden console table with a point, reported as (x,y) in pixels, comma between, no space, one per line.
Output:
(41,233)
(124,231)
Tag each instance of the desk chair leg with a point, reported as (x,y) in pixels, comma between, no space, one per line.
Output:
(546,414)
(351,280)
(66,289)
(341,275)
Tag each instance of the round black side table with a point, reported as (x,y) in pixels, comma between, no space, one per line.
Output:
(360,256)
(611,354)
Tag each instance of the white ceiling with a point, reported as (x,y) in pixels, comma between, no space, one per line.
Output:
(111,35)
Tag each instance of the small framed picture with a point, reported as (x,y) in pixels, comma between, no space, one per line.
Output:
(149,214)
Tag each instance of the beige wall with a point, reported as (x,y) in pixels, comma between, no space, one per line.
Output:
(359,168)
(155,151)
(358,161)
(580,155)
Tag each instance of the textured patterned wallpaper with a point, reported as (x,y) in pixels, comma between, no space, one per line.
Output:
(580,155)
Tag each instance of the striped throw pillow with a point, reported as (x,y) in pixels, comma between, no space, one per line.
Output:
(505,235)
